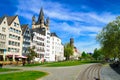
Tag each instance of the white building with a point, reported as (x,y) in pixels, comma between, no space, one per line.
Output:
(57,49)
(40,28)
(47,46)
(3,37)
(15,38)
(12,36)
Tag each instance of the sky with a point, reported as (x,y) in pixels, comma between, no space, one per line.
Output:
(79,19)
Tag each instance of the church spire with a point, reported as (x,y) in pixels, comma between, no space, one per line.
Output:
(41,17)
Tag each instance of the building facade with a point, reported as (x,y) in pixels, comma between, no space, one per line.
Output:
(15,39)
(38,42)
(57,49)
(76,52)
(41,29)
(26,33)
(10,37)
(3,37)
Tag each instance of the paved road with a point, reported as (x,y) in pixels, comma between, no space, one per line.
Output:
(73,72)
(58,73)
(91,73)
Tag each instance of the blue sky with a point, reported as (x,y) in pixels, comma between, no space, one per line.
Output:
(80,19)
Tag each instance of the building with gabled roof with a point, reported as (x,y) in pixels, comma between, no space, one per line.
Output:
(26,33)
(3,37)
(14,46)
(13,37)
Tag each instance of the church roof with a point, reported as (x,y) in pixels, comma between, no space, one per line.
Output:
(41,16)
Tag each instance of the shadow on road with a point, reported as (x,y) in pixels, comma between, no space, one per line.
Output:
(116,67)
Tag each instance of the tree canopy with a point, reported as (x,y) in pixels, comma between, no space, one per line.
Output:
(68,51)
(31,54)
(109,39)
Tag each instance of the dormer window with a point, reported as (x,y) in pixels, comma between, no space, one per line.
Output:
(15,24)
(4,22)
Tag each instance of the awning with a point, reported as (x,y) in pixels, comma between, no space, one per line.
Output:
(21,56)
(16,56)
(10,55)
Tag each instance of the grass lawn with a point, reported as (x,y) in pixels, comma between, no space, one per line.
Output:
(6,70)
(26,75)
(60,64)
(67,63)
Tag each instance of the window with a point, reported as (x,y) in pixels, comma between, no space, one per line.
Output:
(10,42)
(4,22)
(3,29)
(18,44)
(8,49)
(15,24)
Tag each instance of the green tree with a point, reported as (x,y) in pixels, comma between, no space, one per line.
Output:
(109,39)
(31,54)
(84,55)
(68,51)
(97,55)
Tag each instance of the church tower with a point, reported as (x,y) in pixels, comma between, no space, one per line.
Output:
(41,18)
(72,42)
(41,22)
(47,23)
(33,22)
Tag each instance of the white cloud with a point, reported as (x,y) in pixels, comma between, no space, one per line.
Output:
(60,12)
(88,46)
(57,11)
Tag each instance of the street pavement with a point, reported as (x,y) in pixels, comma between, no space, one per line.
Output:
(57,73)
(107,73)
(68,73)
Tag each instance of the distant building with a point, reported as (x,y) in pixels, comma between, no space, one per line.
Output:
(26,39)
(57,49)
(76,52)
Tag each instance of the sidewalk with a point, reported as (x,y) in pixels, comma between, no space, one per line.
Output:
(107,73)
